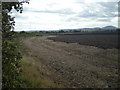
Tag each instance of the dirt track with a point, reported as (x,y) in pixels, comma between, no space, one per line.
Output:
(74,65)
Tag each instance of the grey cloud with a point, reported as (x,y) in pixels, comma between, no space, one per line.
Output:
(87,14)
(76,19)
(110,6)
(104,20)
(66,11)
(106,9)
(119,9)
(96,15)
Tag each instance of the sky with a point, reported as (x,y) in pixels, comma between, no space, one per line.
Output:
(66,14)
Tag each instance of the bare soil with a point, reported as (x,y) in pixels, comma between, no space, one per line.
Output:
(103,40)
(71,64)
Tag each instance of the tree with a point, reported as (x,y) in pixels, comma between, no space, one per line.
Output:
(61,31)
(11,57)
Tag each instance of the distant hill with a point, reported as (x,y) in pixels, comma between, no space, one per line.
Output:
(109,28)
(96,28)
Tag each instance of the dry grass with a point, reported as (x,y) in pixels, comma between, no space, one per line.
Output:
(36,77)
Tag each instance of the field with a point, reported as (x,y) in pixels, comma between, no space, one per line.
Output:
(69,65)
(99,40)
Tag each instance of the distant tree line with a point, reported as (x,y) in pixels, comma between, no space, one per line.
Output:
(41,33)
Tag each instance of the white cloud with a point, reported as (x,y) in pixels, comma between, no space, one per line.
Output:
(63,14)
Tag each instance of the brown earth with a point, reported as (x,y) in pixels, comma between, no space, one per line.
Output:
(105,41)
(71,65)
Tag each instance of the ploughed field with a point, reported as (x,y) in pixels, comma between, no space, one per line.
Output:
(98,40)
(72,64)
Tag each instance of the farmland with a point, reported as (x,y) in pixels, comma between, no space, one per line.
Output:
(74,61)
(98,40)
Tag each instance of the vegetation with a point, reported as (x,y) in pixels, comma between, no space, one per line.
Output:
(29,34)
(11,58)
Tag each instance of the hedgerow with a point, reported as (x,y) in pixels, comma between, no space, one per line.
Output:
(11,57)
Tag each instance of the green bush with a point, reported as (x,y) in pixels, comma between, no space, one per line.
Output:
(11,58)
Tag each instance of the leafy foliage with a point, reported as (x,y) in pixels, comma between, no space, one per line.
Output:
(11,58)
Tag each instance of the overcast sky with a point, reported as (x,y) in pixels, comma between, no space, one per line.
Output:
(66,14)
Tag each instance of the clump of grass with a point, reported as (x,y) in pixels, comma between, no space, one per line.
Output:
(32,76)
